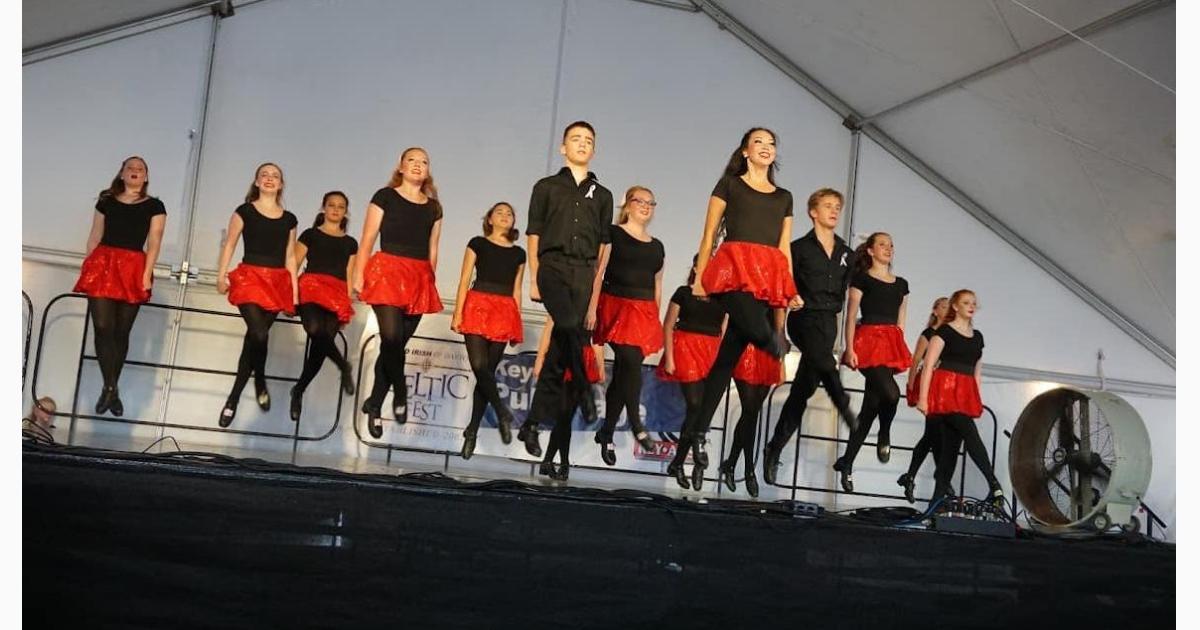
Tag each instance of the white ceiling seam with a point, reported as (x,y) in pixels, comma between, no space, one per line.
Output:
(1093,27)
(852,120)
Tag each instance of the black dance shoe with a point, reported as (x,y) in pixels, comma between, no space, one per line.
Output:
(752,484)
(845,477)
(646,441)
(468,447)
(504,424)
(374,422)
(608,453)
(770,464)
(529,435)
(296,402)
(547,469)
(676,471)
(883,448)
(115,407)
(909,484)
(562,472)
(699,455)
(227,413)
(105,400)
(262,396)
(727,476)
(697,476)
(347,381)
(400,414)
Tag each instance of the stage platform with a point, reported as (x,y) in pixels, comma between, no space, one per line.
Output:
(176,540)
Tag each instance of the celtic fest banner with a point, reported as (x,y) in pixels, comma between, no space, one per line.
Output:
(441,385)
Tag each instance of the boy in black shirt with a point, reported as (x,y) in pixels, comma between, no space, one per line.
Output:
(821,266)
(569,218)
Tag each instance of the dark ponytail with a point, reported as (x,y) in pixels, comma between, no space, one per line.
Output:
(862,257)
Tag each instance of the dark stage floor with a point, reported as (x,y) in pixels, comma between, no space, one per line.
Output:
(172,541)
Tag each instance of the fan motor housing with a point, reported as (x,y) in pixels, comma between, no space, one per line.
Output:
(1127,469)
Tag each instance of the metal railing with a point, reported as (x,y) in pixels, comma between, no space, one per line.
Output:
(75,415)
(28,313)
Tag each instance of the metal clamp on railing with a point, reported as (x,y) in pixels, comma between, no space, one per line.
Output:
(801,435)
(74,414)
(183,273)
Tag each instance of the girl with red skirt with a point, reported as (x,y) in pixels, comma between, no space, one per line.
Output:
(751,270)
(756,373)
(692,331)
(624,314)
(930,441)
(950,393)
(117,273)
(560,435)
(488,314)
(324,293)
(876,347)
(264,283)
(398,280)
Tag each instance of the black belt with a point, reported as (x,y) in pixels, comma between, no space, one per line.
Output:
(407,251)
(878,320)
(262,261)
(629,293)
(495,288)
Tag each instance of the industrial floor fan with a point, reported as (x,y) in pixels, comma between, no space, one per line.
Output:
(1080,459)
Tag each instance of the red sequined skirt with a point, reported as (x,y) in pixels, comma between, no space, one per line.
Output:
(629,322)
(693,353)
(268,287)
(589,366)
(954,392)
(881,345)
(400,281)
(114,273)
(491,316)
(761,270)
(758,367)
(329,292)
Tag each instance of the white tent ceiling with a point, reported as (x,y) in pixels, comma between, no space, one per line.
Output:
(1072,149)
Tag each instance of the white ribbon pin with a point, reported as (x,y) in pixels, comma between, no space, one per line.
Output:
(843,259)
(592,189)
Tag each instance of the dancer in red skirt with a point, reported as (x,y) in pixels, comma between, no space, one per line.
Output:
(488,314)
(564,415)
(624,313)
(930,441)
(876,347)
(692,330)
(264,283)
(950,393)
(117,273)
(751,270)
(398,281)
(756,373)
(324,293)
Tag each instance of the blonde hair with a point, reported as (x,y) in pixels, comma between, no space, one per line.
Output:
(933,318)
(623,217)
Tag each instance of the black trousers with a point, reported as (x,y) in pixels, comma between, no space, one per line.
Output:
(959,430)
(566,288)
(814,333)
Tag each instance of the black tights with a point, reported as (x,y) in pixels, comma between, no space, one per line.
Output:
(625,391)
(959,430)
(881,398)
(560,435)
(254,349)
(395,329)
(112,320)
(930,442)
(693,397)
(484,356)
(752,398)
(321,325)
(748,324)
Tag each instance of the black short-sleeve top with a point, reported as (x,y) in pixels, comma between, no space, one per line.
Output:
(126,225)
(632,265)
(264,240)
(496,266)
(961,353)
(328,254)
(880,303)
(701,316)
(928,333)
(752,216)
(406,226)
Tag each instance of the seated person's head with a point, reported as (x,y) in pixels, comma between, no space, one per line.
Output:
(42,413)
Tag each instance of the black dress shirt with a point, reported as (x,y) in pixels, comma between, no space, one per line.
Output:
(571,221)
(821,280)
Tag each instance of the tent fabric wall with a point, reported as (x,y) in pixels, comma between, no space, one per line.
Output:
(487,87)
